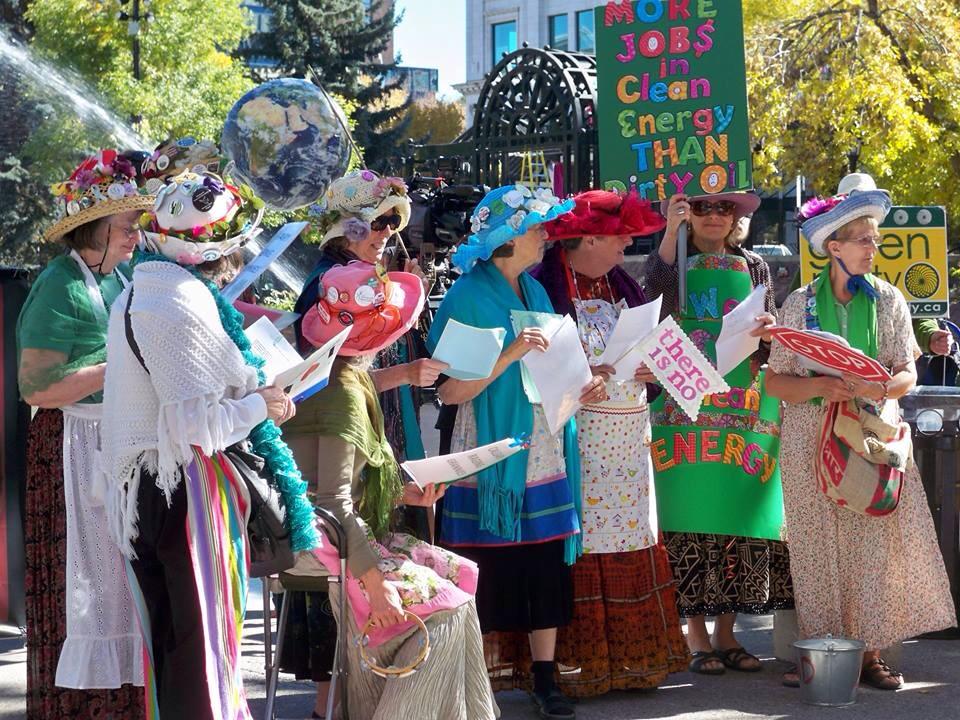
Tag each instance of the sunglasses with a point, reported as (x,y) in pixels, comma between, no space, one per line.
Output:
(701,208)
(381,223)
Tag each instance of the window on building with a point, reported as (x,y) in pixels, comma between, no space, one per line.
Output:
(559,32)
(504,39)
(586,39)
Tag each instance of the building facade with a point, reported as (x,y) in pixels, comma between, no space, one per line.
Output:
(495,27)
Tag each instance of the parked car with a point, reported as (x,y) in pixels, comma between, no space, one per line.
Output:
(772,250)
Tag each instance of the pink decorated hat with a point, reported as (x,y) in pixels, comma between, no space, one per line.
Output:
(379,306)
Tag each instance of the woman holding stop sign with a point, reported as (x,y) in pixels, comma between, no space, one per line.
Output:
(871,571)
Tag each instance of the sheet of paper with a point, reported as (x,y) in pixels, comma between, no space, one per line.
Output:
(560,374)
(548,322)
(683,371)
(311,375)
(268,343)
(632,326)
(456,466)
(471,352)
(734,344)
(281,240)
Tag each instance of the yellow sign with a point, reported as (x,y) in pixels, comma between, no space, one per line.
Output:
(912,257)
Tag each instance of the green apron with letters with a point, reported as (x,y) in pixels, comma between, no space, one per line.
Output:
(721,474)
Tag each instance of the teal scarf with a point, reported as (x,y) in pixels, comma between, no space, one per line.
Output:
(265,437)
(483,298)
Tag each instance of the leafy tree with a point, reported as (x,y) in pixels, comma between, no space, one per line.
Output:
(339,45)
(188,79)
(436,122)
(873,84)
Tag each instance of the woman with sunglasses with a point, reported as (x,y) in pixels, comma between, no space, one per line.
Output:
(879,579)
(84,654)
(360,213)
(721,572)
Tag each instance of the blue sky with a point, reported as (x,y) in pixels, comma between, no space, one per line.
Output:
(432,34)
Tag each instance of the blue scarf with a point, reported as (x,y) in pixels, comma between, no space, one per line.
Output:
(265,437)
(858,283)
(483,298)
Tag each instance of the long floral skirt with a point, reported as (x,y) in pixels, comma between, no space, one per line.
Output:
(45,535)
(625,633)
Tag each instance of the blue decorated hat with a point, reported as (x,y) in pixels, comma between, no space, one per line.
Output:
(820,218)
(504,214)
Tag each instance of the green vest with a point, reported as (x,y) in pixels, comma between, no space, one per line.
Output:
(722,474)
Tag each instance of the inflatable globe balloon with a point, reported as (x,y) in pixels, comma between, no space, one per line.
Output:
(287,141)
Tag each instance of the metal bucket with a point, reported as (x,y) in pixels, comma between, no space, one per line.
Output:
(829,670)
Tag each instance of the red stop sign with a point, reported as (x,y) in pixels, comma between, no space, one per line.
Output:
(830,353)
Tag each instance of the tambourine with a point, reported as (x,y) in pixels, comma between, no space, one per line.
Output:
(368,663)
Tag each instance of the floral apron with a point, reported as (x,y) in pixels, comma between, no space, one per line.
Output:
(619,503)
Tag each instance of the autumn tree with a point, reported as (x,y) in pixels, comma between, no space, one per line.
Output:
(871,84)
(435,122)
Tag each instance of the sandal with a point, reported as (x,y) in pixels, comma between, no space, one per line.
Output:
(878,674)
(554,705)
(735,657)
(700,658)
(791,677)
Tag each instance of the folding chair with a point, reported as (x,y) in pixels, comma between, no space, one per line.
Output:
(286,583)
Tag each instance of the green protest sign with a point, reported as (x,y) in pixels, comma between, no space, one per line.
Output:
(672,97)
(721,473)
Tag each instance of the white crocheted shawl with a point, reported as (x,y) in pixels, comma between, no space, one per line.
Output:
(193,365)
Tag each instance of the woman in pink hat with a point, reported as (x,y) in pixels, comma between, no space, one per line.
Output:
(719,572)
(339,438)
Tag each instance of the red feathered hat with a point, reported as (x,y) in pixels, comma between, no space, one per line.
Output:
(603,212)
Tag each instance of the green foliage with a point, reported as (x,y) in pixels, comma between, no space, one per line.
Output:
(339,45)
(873,82)
(188,78)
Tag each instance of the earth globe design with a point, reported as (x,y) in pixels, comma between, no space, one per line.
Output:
(287,141)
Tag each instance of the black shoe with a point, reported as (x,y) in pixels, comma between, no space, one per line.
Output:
(554,705)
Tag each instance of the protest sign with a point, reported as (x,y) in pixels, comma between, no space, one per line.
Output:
(912,257)
(281,240)
(672,97)
(831,357)
(681,368)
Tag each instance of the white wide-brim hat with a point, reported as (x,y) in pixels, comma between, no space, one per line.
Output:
(858,182)
(869,204)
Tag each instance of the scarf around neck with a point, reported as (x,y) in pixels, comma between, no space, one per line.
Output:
(861,313)
(483,298)
(348,409)
(265,437)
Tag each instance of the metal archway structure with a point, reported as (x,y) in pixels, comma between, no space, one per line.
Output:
(539,101)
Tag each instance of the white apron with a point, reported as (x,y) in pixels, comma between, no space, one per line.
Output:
(103,647)
(619,505)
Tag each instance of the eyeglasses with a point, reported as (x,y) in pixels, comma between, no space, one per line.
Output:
(701,208)
(864,241)
(381,223)
(130,231)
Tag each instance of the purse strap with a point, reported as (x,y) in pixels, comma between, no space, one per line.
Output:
(128,329)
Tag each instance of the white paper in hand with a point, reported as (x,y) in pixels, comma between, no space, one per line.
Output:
(456,466)
(471,352)
(560,374)
(548,322)
(267,342)
(312,375)
(632,326)
(735,344)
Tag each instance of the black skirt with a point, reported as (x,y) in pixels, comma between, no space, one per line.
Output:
(522,587)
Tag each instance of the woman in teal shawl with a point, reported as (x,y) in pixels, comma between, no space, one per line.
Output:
(877,579)
(518,520)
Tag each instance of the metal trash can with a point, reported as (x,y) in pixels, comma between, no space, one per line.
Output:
(934,416)
(829,670)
